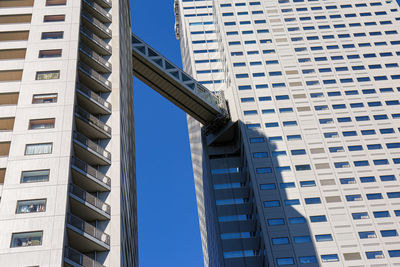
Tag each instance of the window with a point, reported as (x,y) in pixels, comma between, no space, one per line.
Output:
(307,259)
(41,124)
(52,35)
(44,98)
(394,253)
(351,198)
(302,239)
(389,233)
(26,239)
(35,176)
(2,175)
(318,218)
(260,155)
(280,241)
(48,75)
(297,220)
(271,186)
(374,255)
(329,258)
(307,183)
(30,206)
(360,215)
(271,203)
(224,171)
(50,53)
(56,2)
(313,200)
(54,18)
(324,238)
(367,234)
(38,149)
(274,222)
(285,261)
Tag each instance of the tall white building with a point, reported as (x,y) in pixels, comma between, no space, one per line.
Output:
(66,134)
(309,173)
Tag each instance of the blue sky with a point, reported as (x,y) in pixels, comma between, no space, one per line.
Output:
(168,225)
(167,214)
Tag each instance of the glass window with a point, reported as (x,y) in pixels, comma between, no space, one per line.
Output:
(394,253)
(307,183)
(48,75)
(260,155)
(271,186)
(360,215)
(224,171)
(307,259)
(54,18)
(285,261)
(318,218)
(52,35)
(38,149)
(26,239)
(292,202)
(271,203)
(44,98)
(389,233)
(347,181)
(374,255)
(35,176)
(30,206)
(280,241)
(287,185)
(313,200)
(50,53)
(393,195)
(367,234)
(354,197)
(329,258)
(274,222)
(324,238)
(56,2)
(302,239)
(297,220)
(41,124)
(381,214)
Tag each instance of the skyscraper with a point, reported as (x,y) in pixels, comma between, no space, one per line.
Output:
(307,173)
(66,143)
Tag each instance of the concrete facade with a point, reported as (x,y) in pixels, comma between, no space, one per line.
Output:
(309,174)
(73,129)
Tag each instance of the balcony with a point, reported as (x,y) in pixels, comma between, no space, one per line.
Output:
(93,79)
(85,237)
(95,42)
(94,60)
(97,11)
(87,206)
(90,151)
(90,125)
(96,26)
(88,177)
(74,258)
(92,101)
(104,3)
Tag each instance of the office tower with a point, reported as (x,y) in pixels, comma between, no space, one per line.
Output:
(307,172)
(66,119)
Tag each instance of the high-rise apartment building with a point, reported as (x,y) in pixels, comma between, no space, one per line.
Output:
(308,171)
(66,134)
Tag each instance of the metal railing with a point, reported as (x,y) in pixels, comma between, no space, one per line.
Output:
(97,23)
(89,118)
(85,196)
(93,55)
(94,74)
(92,145)
(98,8)
(86,168)
(78,258)
(95,39)
(107,3)
(88,228)
(92,95)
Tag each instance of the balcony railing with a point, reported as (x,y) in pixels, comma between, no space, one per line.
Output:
(86,168)
(94,97)
(105,3)
(88,228)
(94,56)
(95,76)
(89,198)
(106,16)
(97,40)
(80,259)
(92,145)
(97,24)
(90,119)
